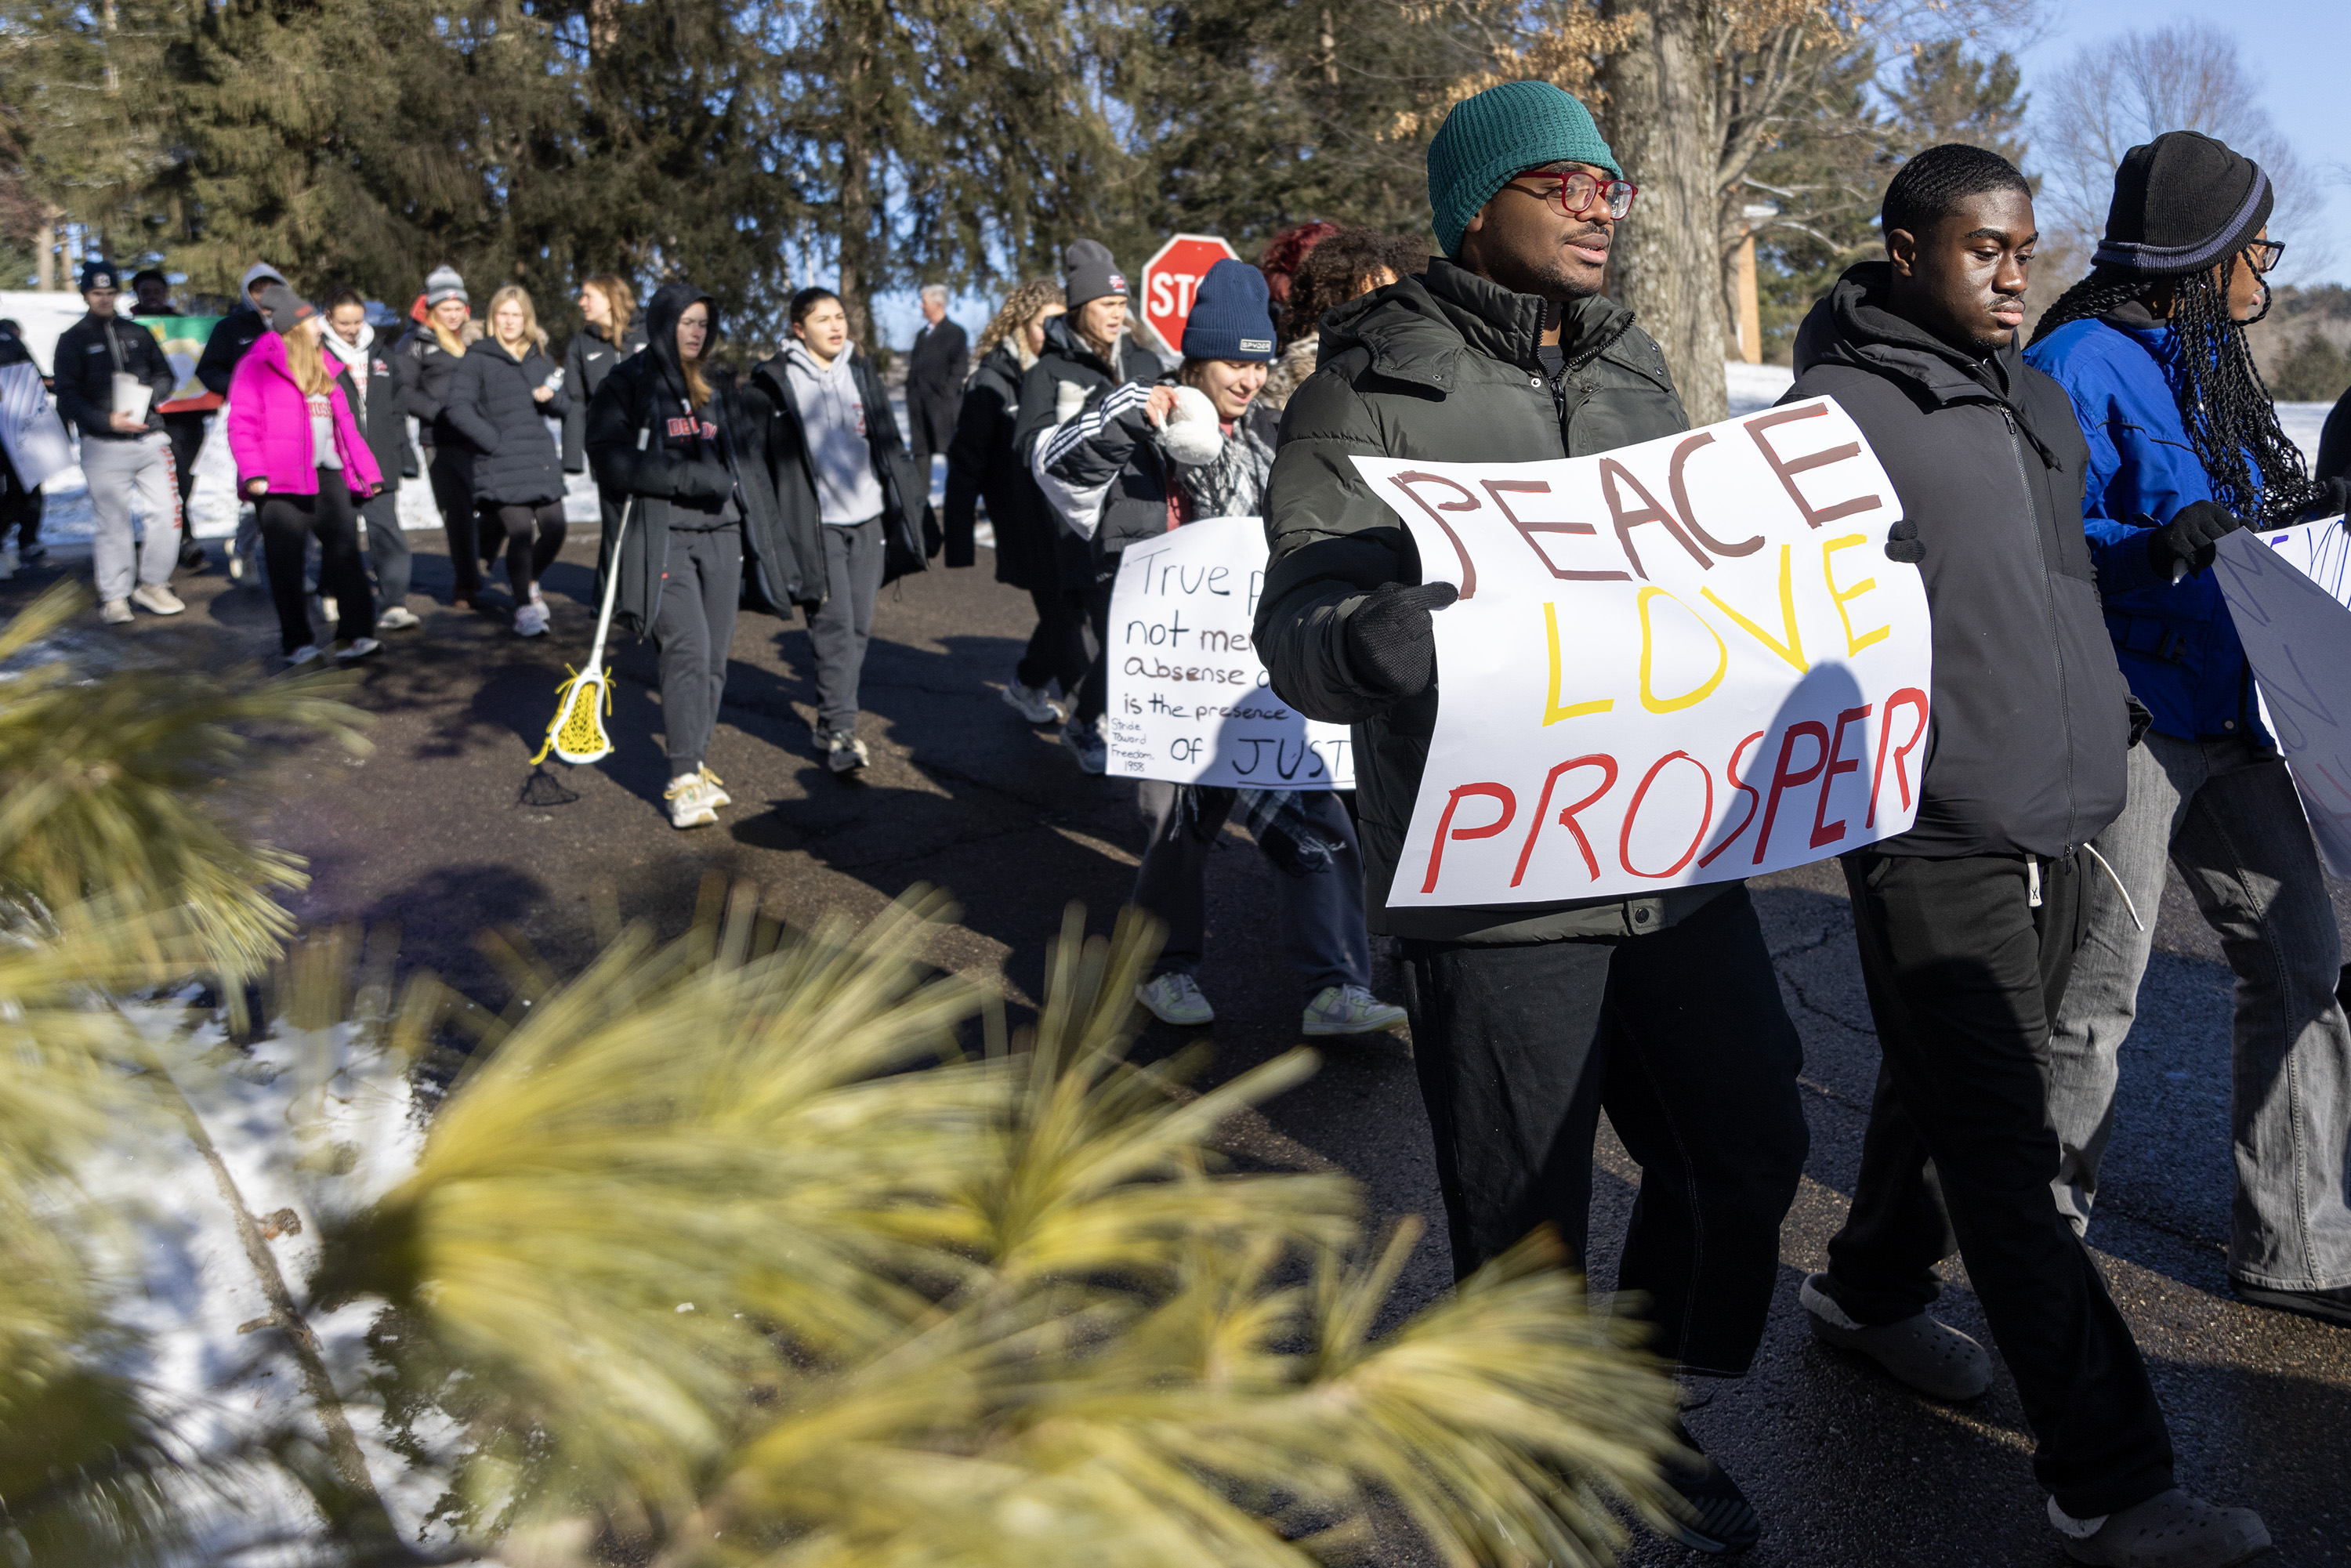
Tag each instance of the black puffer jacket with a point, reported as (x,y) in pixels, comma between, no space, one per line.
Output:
(2031,713)
(984,465)
(1442,368)
(648,452)
(1054,392)
(908,527)
(587,360)
(516,461)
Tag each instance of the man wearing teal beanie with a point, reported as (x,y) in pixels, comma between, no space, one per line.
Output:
(1528,1020)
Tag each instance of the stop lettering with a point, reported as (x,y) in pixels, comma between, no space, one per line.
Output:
(1171,279)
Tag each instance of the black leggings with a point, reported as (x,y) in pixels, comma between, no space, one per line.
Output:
(288,522)
(524,559)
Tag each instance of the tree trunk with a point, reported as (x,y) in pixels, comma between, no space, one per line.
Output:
(856,190)
(1667,266)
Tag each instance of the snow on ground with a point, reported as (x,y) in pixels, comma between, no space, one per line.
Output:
(1754,387)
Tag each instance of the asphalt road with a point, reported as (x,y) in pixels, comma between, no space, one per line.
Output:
(433,831)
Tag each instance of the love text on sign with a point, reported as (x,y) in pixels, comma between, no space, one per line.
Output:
(1681,661)
(1189,701)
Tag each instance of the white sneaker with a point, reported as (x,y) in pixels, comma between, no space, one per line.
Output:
(1350,1009)
(157,597)
(307,654)
(116,613)
(689,804)
(399,618)
(712,790)
(844,753)
(237,564)
(1085,743)
(530,621)
(1176,999)
(361,648)
(1031,703)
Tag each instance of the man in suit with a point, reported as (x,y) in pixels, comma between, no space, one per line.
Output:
(936,368)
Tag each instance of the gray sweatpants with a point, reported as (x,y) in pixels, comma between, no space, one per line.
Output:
(693,630)
(1321,913)
(387,550)
(843,624)
(119,472)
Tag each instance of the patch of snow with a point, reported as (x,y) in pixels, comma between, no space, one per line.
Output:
(1755,387)
(2302,423)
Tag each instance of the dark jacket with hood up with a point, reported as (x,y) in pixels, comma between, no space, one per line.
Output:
(908,527)
(587,360)
(983,464)
(2031,716)
(1053,393)
(1442,367)
(670,464)
(234,334)
(516,461)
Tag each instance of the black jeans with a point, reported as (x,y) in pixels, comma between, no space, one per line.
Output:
(451,472)
(1057,648)
(288,522)
(1964,974)
(526,558)
(20,508)
(1095,697)
(1681,1038)
(693,630)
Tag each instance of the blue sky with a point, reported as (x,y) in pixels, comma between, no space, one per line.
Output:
(2296,48)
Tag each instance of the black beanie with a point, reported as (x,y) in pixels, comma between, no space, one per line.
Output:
(1091,274)
(2182,202)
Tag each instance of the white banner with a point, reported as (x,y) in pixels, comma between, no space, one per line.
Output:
(2288,603)
(1189,701)
(1682,662)
(30,431)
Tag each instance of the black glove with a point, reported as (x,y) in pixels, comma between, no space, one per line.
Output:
(701,482)
(1391,642)
(2333,500)
(2141,717)
(1902,543)
(2188,539)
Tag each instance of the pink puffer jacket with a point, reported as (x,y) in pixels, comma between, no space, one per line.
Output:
(269,427)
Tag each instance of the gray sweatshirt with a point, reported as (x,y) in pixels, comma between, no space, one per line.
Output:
(848,492)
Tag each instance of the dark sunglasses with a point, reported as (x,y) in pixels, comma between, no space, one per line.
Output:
(2262,254)
(1577,193)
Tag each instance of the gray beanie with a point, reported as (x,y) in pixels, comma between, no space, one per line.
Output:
(284,308)
(1089,273)
(443,283)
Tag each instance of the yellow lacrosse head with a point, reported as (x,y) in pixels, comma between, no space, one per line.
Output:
(577,736)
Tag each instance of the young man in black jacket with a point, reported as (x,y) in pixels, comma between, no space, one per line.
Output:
(1528,1020)
(1967,923)
(122,454)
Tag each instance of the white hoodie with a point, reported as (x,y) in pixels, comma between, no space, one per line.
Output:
(832,414)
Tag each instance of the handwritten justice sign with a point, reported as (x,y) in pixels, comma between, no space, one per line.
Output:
(1676,663)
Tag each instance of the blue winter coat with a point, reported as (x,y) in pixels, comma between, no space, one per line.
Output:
(2176,644)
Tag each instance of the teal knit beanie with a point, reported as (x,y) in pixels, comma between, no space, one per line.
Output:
(1503,131)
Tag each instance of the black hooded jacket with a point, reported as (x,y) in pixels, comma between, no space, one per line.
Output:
(671,465)
(983,465)
(231,337)
(908,527)
(2031,716)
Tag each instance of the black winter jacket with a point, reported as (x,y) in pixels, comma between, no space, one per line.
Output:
(380,407)
(1442,367)
(984,465)
(1053,393)
(652,456)
(427,371)
(936,368)
(232,335)
(2031,720)
(587,359)
(87,357)
(908,526)
(515,461)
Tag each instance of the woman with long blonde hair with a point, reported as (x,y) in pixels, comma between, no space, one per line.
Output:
(506,391)
(302,462)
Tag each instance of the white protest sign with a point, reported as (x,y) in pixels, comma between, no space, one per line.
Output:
(1189,702)
(2285,590)
(1676,663)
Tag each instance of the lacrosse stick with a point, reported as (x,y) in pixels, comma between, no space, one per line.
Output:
(577,735)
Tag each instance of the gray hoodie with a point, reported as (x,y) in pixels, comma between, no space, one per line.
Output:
(841,454)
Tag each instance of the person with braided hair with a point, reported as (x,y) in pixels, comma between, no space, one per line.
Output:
(2184,448)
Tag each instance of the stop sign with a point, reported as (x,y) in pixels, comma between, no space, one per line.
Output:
(1172,278)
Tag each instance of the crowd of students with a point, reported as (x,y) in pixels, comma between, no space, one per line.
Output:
(2094,718)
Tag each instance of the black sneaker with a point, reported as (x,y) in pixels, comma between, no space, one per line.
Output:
(1717,1518)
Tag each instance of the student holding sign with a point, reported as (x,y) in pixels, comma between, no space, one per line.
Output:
(1528,1019)
(1968,924)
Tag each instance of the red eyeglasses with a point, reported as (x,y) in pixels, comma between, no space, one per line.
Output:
(1577,193)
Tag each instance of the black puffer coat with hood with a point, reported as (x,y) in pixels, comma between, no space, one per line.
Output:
(1442,368)
(664,460)
(910,530)
(2031,713)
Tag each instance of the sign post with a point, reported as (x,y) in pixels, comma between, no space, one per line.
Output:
(1171,279)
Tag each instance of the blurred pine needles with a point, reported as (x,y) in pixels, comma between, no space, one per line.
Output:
(728,1250)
